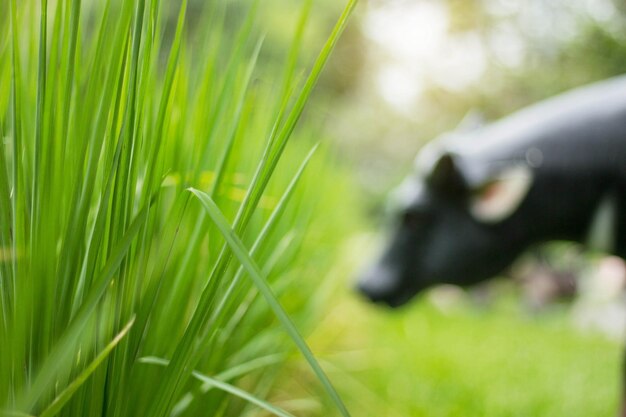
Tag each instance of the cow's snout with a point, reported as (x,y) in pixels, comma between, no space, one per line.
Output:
(380,284)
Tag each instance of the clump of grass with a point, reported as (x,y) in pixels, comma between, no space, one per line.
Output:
(119,291)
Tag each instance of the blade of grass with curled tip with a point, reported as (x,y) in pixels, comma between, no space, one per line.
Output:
(226,299)
(262,236)
(255,274)
(67,393)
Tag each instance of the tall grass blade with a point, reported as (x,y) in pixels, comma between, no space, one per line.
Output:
(67,393)
(39,122)
(269,162)
(255,274)
(168,84)
(17,145)
(184,358)
(263,234)
(59,356)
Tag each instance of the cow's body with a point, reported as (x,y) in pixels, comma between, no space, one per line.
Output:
(554,171)
(575,145)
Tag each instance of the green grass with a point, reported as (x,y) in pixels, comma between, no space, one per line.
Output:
(463,360)
(119,292)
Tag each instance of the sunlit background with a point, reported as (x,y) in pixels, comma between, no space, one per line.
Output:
(424,65)
(545,339)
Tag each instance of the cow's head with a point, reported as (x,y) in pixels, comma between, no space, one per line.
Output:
(448,230)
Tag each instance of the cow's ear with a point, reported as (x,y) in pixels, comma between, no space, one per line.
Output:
(501,196)
(472,121)
(446,177)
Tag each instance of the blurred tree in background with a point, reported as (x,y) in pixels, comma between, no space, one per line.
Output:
(427,63)
(497,56)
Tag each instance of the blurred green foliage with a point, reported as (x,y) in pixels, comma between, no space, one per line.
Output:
(594,50)
(555,46)
(468,359)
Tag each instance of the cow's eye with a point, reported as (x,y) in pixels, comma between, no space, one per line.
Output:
(411,219)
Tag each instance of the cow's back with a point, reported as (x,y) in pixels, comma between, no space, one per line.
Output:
(575,144)
(583,130)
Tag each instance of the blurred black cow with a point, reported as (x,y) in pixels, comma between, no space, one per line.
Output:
(553,171)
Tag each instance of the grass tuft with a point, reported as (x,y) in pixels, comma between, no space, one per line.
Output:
(113,110)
